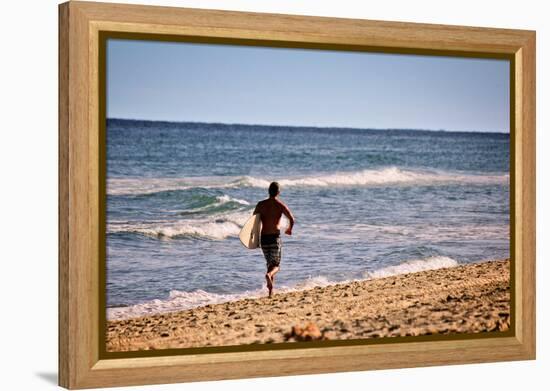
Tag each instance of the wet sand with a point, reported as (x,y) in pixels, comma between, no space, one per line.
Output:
(465,299)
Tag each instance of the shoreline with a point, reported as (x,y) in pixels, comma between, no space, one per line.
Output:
(469,298)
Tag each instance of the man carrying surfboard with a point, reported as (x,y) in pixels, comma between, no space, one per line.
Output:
(270,211)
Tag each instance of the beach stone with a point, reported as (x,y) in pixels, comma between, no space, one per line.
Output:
(309,332)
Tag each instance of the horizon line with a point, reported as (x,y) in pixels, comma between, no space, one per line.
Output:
(305,126)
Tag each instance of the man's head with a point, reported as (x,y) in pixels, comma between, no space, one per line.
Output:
(274,189)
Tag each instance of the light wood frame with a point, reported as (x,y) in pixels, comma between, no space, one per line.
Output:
(81,161)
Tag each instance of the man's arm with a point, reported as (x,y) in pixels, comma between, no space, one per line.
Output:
(290,218)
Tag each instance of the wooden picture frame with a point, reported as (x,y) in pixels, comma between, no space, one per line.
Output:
(82,29)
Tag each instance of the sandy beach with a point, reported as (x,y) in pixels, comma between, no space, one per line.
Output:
(465,299)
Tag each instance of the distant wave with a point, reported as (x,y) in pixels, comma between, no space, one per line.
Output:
(385,176)
(182,300)
(389,176)
(428,232)
(141,186)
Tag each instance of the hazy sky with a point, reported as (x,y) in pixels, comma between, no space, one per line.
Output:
(255,85)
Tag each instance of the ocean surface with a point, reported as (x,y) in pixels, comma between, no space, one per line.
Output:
(368,203)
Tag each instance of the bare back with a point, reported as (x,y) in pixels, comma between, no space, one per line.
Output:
(270,211)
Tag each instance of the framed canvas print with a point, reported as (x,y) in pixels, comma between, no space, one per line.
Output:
(247,195)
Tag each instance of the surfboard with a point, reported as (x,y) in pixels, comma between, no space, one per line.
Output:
(250,233)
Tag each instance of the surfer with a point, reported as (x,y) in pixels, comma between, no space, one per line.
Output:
(270,211)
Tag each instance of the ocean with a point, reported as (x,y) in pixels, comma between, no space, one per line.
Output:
(368,203)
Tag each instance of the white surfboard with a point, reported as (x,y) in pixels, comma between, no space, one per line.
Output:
(250,234)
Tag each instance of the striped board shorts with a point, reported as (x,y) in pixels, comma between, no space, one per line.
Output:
(271,246)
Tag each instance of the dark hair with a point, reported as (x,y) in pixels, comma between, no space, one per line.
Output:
(274,189)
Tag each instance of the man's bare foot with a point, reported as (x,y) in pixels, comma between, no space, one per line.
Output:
(269,283)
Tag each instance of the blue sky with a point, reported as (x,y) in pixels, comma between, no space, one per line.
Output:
(257,85)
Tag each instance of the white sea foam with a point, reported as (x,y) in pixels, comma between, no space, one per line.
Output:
(224,199)
(177,301)
(181,300)
(396,176)
(389,176)
(412,266)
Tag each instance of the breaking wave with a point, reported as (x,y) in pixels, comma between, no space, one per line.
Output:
(413,266)
(215,227)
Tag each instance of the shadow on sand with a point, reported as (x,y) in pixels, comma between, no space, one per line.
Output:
(50,377)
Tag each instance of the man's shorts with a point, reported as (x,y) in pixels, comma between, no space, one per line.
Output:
(271,246)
